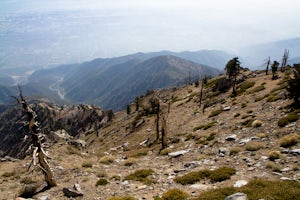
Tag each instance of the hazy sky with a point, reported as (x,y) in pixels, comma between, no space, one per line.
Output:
(117,27)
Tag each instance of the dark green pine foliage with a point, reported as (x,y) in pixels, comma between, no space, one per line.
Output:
(294,84)
(232,69)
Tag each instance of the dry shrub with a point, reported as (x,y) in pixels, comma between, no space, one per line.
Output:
(107,159)
(87,164)
(273,166)
(174,194)
(235,150)
(123,198)
(289,140)
(257,189)
(254,146)
(141,175)
(130,162)
(273,155)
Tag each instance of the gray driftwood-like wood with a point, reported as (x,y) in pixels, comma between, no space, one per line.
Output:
(37,137)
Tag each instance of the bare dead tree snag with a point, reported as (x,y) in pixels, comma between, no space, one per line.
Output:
(37,138)
(161,120)
(201,92)
(284,59)
(156,108)
(268,64)
(163,132)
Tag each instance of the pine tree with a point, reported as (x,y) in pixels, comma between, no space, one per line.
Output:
(232,69)
(294,84)
(274,68)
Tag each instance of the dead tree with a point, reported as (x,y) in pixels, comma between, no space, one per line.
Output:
(268,64)
(163,132)
(161,120)
(284,59)
(37,137)
(201,92)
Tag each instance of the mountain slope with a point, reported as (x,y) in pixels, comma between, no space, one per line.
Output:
(243,134)
(120,84)
(113,83)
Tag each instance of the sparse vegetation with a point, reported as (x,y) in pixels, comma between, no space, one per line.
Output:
(123,198)
(215,113)
(291,117)
(273,166)
(244,105)
(235,150)
(87,164)
(9,174)
(165,151)
(257,189)
(101,181)
(273,155)
(256,89)
(217,175)
(205,126)
(115,178)
(28,191)
(236,115)
(289,140)
(130,162)
(244,86)
(254,146)
(141,175)
(174,194)
(107,159)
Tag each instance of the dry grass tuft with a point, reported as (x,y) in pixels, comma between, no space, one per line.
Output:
(289,140)
(107,159)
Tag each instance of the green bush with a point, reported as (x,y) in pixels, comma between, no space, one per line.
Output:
(221,174)
(141,175)
(257,189)
(87,165)
(256,89)
(273,98)
(123,198)
(215,113)
(102,181)
(217,175)
(244,86)
(192,177)
(205,126)
(291,117)
(174,194)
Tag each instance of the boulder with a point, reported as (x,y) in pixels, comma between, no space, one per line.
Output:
(237,196)
(256,123)
(231,138)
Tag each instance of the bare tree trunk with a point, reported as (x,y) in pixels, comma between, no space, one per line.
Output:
(157,117)
(284,59)
(163,133)
(201,92)
(36,139)
(267,68)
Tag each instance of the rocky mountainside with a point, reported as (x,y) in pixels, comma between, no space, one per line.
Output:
(247,143)
(75,120)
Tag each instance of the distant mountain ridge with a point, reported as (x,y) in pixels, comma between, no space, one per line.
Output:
(257,55)
(113,83)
